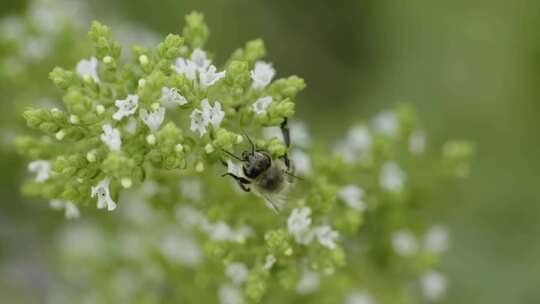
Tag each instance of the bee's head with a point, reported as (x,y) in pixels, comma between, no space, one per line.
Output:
(255,163)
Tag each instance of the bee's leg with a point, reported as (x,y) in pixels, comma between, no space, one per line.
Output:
(242,182)
(286,132)
(287,139)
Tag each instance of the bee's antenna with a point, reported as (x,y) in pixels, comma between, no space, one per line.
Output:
(250,142)
(292,175)
(232,155)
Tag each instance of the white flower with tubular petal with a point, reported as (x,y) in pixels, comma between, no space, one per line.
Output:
(126,107)
(309,282)
(387,123)
(212,115)
(392,177)
(209,76)
(262,75)
(352,195)
(436,239)
(198,122)
(230,294)
(260,106)
(433,285)
(42,168)
(199,59)
(153,119)
(185,67)
(237,272)
(358,297)
(404,243)
(111,137)
(270,261)
(326,236)
(88,68)
(171,97)
(101,190)
(70,210)
(298,225)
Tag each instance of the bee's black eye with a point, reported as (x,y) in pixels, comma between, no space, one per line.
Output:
(255,164)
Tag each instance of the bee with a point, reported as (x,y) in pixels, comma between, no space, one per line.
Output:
(268,177)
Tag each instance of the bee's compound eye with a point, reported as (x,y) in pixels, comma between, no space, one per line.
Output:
(245,155)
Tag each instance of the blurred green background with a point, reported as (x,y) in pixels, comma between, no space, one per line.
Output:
(470,68)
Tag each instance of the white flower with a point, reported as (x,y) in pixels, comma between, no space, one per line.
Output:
(436,239)
(358,297)
(171,97)
(200,119)
(131,126)
(185,67)
(42,168)
(309,282)
(221,231)
(213,115)
(153,119)
(434,286)
(101,190)
(126,107)
(237,272)
(299,135)
(392,177)
(189,217)
(301,161)
(70,210)
(111,137)
(180,249)
(88,68)
(298,225)
(353,195)
(199,59)
(198,122)
(387,123)
(360,138)
(260,106)
(270,261)
(404,243)
(417,142)
(209,76)
(262,75)
(356,145)
(230,294)
(326,236)
(191,189)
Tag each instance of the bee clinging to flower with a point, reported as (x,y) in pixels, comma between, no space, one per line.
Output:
(258,172)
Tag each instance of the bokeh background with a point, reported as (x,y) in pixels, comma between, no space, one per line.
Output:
(470,68)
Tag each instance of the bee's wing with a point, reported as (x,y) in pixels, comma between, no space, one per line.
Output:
(275,205)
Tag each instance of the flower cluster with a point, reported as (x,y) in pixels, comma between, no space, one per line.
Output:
(149,139)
